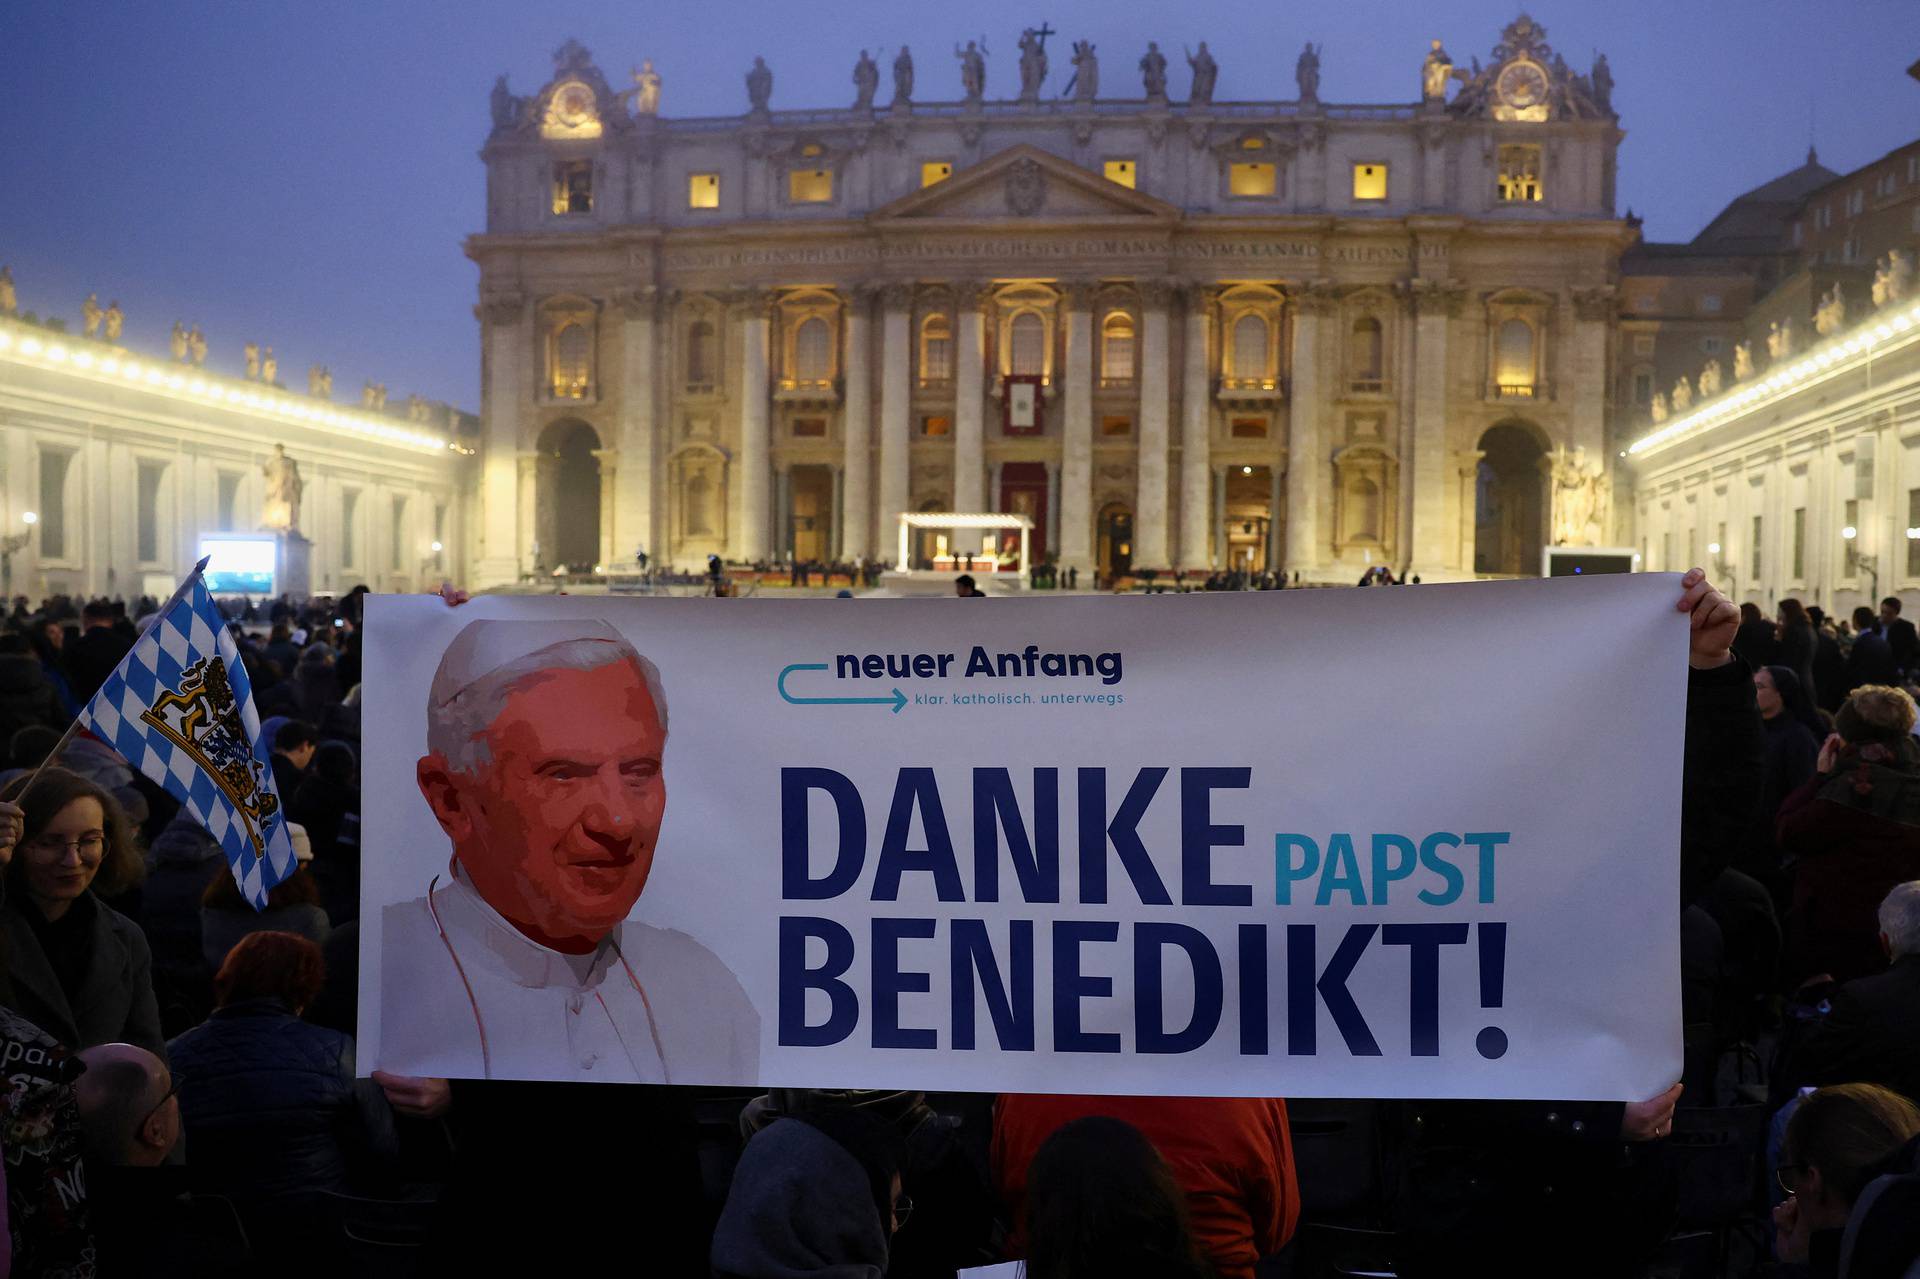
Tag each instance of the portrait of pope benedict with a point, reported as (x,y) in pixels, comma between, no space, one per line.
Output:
(544,769)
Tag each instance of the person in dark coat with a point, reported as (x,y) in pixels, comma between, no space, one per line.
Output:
(1754,642)
(818,1195)
(1871,1032)
(1793,737)
(328,805)
(80,970)
(100,647)
(1855,828)
(47,640)
(1829,665)
(293,746)
(281,650)
(1795,641)
(1838,1140)
(272,1112)
(1871,659)
(315,683)
(27,698)
(1900,633)
(1492,1187)
(184,859)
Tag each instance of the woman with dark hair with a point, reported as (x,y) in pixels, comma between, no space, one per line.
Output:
(1837,1141)
(78,968)
(270,1103)
(1795,641)
(1754,640)
(1854,825)
(293,906)
(1101,1201)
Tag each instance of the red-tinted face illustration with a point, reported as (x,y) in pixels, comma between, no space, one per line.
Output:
(557,831)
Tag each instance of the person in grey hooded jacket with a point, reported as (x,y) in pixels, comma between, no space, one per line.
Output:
(813,1198)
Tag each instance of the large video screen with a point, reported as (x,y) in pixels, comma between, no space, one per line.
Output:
(239,563)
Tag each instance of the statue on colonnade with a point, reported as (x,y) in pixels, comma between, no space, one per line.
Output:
(1894,280)
(1710,379)
(903,77)
(1779,340)
(973,69)
(1682,395)
(269,368)
(1435,72)
(1086,72)
(281,509)
(9,296)
(1306,71)
(90,315)
(197,347)
(1831,315)
(1658,409)
(1742,361)
(1581,488)
(1205,72)
(252,352)
(759,85)
(866,79)
(177,343)
(1153,72)
(116,320)
(646,89)
(1033,62)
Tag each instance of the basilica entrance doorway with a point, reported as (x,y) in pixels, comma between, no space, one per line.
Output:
(812,513)
(1116,541)
(1510,501)
(567,499)
(1023,491)
(1248,518)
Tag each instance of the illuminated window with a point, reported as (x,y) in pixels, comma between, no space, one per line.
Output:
(54,465)
(1116,425)
(810,186)
(1369,181)
(1248,428)
(813,351)
(810,427)
(572,362)
(1121,171)
(932,171)
(1519,179)
(1366,355)
(1513,359)
(1248,355)
(147,514)
(936,349)
(1116,347)
(573,186)
(703,190)
(1250,178)
(1029,344)
(703,355)
(936,424)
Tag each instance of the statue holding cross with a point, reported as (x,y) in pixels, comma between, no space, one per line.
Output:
(1033,61)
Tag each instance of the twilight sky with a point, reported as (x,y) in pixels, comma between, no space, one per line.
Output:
(303,175)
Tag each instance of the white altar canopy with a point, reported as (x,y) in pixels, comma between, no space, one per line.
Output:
(953,520)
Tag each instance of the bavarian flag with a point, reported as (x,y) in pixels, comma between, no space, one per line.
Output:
(180,709)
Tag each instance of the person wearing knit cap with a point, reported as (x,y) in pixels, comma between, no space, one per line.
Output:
(543,767)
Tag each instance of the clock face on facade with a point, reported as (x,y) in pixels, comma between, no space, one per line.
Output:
(573,105)
(1523,84)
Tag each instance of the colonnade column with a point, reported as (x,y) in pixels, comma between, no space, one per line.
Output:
(756,316)
(969,410)
(1150,507)
(1310,306)
(896,435)
(630,526)
(506,393)
(1195,435)
(1076,433)
(854,508)
(1434,304)
(1593,310)
(609,553)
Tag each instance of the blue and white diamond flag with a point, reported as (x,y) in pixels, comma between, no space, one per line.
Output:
(180,709)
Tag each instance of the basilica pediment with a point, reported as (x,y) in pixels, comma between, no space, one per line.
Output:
(1024,182)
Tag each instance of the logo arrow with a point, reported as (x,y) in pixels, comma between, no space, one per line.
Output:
(897,700)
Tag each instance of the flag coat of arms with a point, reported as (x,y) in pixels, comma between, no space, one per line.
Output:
(180,709)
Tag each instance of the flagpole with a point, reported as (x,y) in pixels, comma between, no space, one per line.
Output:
(185,585)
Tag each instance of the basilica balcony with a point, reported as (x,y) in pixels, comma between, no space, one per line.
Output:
(1250,390)
(1506,392)
(793,390)
(1366,386)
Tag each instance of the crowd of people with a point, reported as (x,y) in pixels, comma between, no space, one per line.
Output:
(183,1096)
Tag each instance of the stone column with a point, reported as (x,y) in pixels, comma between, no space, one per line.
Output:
(756,317)
(896,411)
(969,409)
(1196,425)
(1434,304)
(1468,462)
(1304,450)
(610,555)
(1586,364)
(1076,433)
(1053,509)
(781,540)
(536,523)
(1218,482)
(504,409)
(854,508)
(631,527)
(1150,543)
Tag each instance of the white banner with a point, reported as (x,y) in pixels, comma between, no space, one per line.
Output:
(1400,842)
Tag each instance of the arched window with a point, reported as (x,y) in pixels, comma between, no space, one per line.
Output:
(572,362)
(703,355)
(1116,347)
(1029,343)
(936,349)
(1513,361)
(699,506)
(1366,353)
(1249,348)
(813,350)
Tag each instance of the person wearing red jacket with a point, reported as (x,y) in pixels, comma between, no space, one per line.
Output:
(1232,1156)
